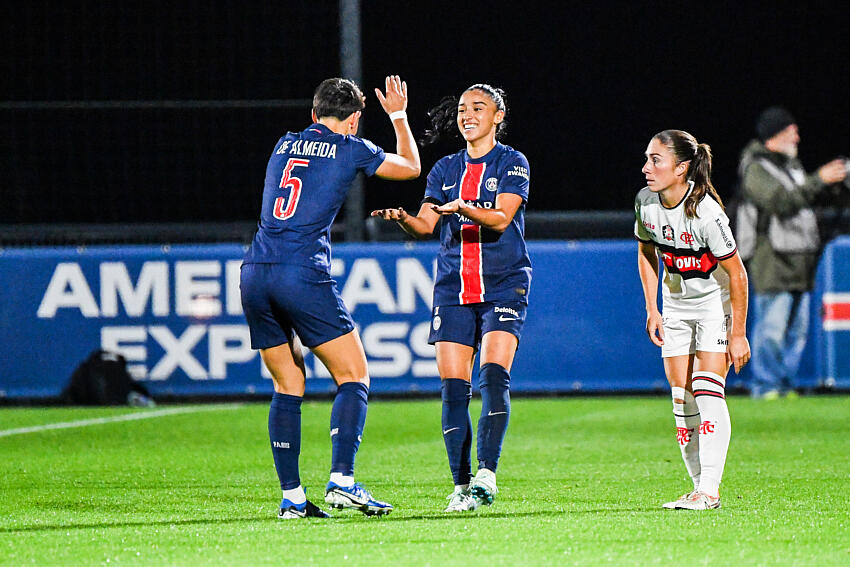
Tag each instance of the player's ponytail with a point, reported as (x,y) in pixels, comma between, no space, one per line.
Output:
(686,148)
(443,119)
(700,173)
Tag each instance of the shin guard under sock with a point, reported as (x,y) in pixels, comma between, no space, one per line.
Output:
(457,428)
(285,438)
(715,428)
(494,382)
(687,419)
(348,417)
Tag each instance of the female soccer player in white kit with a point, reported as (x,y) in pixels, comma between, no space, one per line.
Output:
(679,219)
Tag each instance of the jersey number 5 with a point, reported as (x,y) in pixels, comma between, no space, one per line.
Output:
(289,181)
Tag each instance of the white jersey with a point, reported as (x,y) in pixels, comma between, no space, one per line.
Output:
(695,285)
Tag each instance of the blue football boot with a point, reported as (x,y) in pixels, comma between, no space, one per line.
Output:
(356,497)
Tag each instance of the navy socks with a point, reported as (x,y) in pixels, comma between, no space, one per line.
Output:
(457,427)
(494,382)
(285,437)
(348,417)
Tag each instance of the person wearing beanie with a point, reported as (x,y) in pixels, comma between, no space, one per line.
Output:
(777,235)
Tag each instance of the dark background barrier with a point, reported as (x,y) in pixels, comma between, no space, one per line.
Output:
(167,111)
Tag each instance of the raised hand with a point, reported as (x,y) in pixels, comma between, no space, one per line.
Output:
(395,98)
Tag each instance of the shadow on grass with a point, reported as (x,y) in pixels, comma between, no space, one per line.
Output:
(100,525)
(339,517)
(484,515)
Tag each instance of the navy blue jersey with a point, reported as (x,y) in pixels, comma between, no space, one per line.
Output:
(307,178)
(477,264)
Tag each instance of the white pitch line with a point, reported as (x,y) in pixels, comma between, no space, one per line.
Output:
(116,418)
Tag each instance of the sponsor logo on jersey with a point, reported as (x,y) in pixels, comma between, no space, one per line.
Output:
(723,234)
(648,225)
(447,187)
(519,171)
(689,263)
(687,238)
(491,184)
(667,232)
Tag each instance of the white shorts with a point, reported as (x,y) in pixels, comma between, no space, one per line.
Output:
(686,336)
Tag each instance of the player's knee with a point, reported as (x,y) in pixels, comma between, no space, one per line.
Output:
(707,383)
(678,395)
(493,374)
(342,379)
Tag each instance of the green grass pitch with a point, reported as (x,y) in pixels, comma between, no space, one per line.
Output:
(581,480)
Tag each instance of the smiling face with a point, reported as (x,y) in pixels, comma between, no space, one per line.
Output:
(478,116)
(661,169)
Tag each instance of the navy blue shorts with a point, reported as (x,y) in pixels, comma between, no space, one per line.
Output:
(279,299)
(467,324)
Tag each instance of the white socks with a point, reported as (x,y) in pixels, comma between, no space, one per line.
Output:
(715,428)
(687,417)
(295,495)
(342,480)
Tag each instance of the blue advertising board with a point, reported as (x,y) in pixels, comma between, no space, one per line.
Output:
(833,332)
(176,316)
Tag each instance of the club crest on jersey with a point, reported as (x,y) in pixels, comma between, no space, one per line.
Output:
(667,232)
(491,184)
(687,238)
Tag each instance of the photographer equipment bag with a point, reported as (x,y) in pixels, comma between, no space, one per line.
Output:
(102,380)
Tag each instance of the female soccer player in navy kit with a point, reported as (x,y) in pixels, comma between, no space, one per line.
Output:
(478,196)
(287,289)
(679,219)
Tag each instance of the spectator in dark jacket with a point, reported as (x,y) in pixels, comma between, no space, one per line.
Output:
(777,235)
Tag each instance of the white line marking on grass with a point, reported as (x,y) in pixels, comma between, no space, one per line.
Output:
(116,418)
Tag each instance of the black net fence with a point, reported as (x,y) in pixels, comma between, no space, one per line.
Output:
(152,112)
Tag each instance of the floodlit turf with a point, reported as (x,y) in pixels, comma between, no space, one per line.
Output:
(581,482)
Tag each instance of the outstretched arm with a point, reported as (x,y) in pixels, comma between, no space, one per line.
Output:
(404,164)
(648,272)
(419,226)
